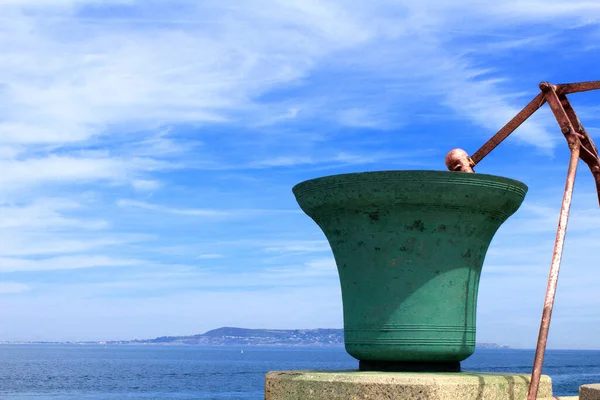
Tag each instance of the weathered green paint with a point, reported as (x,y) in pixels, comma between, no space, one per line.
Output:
(409,247)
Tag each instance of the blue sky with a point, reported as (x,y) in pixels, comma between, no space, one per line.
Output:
(148,150)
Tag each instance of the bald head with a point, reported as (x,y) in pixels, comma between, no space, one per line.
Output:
(458,160)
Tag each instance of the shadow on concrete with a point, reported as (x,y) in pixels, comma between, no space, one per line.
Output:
(516,386)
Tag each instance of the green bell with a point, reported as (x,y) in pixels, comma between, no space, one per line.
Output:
(409,248)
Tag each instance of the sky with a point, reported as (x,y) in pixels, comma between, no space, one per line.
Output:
(148,150)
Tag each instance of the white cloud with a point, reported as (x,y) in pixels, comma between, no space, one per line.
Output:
(145,184)
(305,274)
(338,159)
(31,172)
(297,247)
(47,243)
(284,161)
(21,133)
(210,256)
(13,288)
(51,226)
(314,272)
(61,90)
(44,214)
(360,117)
(62,263)
(199,212)
(543,218)
(8,152)
(547,10)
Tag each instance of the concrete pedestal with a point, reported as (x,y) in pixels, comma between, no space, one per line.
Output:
(358,385)
(589,392)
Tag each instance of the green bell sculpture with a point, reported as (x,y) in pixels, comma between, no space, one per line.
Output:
(409,248)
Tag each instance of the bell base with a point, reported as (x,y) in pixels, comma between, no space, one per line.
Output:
(403,366)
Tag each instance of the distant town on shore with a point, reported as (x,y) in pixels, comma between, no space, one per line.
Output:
(228,336)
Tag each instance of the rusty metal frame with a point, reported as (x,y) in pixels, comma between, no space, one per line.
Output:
(581,146)
(567,127)
(564,113)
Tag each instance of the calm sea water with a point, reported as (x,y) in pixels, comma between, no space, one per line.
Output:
(176,372)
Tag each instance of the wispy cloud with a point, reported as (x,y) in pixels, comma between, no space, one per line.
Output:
(314,268)
(65,91)
(210,256)
(543,218)
(45,214)
(337,159)
(62,263)
(145,184)
(199,212)
(311,273)
(13,288)
(298,246)
(25,173)
(36,244)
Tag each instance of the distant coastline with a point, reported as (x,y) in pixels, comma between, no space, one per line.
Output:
(229,336)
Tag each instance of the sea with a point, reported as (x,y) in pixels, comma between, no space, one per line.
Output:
(86,372)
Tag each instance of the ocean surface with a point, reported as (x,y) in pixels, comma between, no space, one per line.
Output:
(89,372)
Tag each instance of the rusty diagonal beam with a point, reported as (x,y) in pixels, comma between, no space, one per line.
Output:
(581,146)
(588,153)
(509,128)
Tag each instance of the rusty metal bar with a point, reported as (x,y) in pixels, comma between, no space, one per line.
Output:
(575,145)
(573,130)
(554,270)
(589,152)
(566,88)
(586,142)
(559,112)
(509,128)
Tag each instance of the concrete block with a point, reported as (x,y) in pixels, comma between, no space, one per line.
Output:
(589,392)
(361,385)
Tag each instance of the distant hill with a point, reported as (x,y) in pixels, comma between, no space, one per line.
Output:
(228,336)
